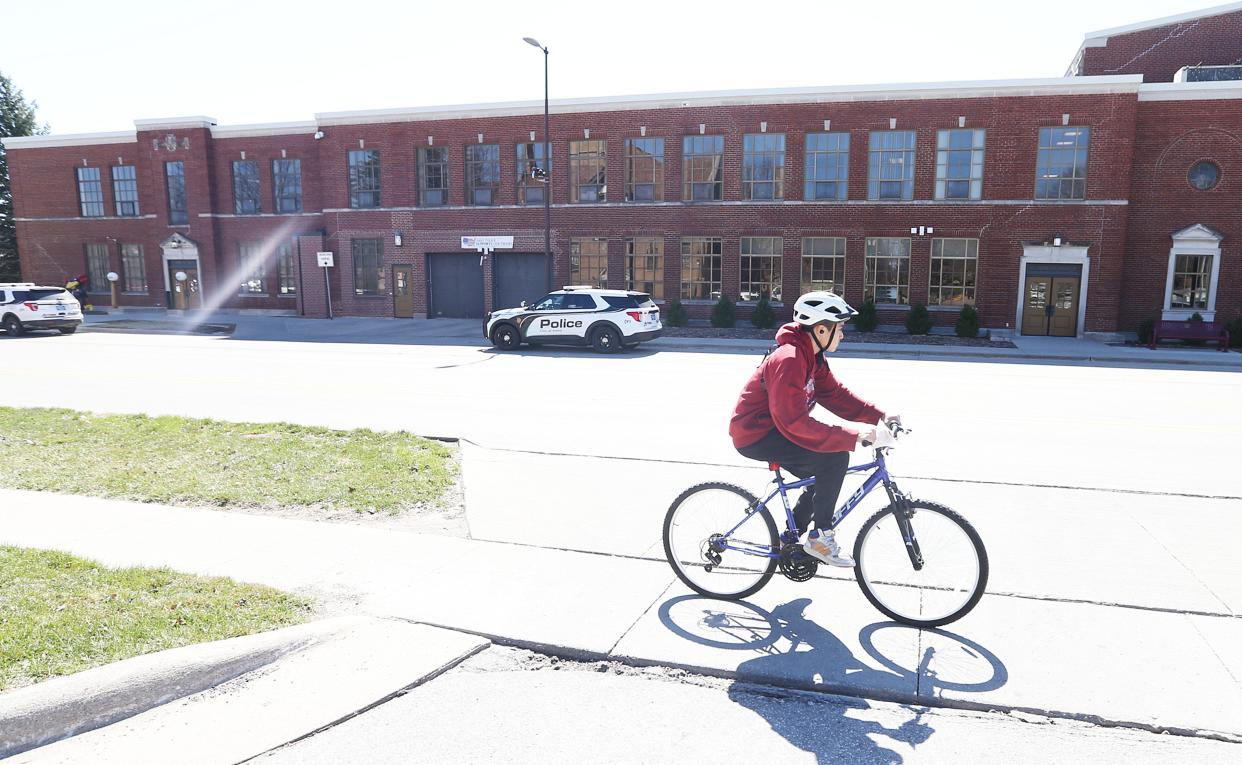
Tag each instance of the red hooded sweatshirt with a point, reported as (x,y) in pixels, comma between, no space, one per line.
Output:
(784,389)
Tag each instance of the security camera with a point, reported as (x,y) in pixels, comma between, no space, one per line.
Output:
(318,134)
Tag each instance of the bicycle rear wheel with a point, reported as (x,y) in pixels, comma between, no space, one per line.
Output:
(694,535)
(951,580)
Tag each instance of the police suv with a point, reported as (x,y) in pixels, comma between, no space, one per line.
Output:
(606,320)
(25,306)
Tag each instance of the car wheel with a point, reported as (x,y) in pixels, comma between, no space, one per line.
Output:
(68,330)
(506,337)
(606,340)
(12,326)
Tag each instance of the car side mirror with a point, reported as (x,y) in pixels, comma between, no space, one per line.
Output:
(523,304)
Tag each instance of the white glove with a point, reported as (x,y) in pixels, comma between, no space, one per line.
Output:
(891,419)
(884,437)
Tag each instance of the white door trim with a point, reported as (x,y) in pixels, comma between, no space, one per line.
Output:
(1066,253)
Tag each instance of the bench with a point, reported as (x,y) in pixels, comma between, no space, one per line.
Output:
(1209,331)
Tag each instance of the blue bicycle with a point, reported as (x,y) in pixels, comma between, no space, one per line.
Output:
(918,562)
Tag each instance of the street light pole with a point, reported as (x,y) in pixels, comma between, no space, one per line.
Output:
(547,157)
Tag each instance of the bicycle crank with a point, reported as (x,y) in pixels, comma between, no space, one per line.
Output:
(796,564)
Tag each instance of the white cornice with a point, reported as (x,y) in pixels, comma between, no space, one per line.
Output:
(274,128)
(1191,91)
(74,139)
(175,123)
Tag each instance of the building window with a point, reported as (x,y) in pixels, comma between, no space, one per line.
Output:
(97,262)
(246,199)
(286,281)
(368,272)
(644,265)
(134,268)
(887,278)
(644,169)
(827,166)
(588,171)
(700,267)
(433,176)
(287,186)
(90,192)
(1061,171)
(954,265)
(125,190)
(482,173)
(250,268)
(1204,175)
(892,165)
(588,261)
(763,166)
(364,178)
(823,264)
(702,160)
(530,190)
(959,164)
(761,268)
(1192,278)
(174,176)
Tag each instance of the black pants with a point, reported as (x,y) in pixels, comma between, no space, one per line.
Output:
(827,467)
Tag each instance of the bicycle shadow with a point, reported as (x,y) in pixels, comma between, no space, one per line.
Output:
(796,652)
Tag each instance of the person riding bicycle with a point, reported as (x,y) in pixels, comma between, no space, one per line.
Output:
(772,419)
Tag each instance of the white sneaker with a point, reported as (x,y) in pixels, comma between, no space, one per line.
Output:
(822,545)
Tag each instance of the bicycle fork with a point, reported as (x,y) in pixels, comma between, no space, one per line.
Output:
(904,512)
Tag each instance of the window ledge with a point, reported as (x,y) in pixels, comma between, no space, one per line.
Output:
(144,294)
(945,308)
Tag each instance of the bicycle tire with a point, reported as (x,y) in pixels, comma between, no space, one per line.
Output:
(764,567)
(871,589)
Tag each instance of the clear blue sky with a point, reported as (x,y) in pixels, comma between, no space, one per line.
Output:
(98,66)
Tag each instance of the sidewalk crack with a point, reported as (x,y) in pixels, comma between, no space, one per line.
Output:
(646,611)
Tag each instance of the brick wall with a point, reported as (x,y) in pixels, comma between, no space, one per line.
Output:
(1158,53)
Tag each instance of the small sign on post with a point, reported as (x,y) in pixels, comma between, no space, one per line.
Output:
(325,262)
(325,259)
(485,244)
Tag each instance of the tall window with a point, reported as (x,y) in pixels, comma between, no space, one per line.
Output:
(827,166)
(125,190)
(763,166)
(287,282)
(364,178)
(761,267)
(90,192)
(246,199)
(1192,279)
(959,164)
(250,268)
(954,265)
(887,275)
(700,267)
(823,264)
(644,265)
(287,185)
(588,180)
(644,169)
(702,176)
(1061,171)
(482,173)
(892,165)
(133,268)
(433,176)
(368,272)
(588,261)
(97,262)
(529,157)
(174,176)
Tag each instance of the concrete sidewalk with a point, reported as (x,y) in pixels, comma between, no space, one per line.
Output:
(1135,666)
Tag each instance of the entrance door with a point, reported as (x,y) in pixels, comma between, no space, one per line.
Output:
(454,286)
(185,292)
(1051,306)
(520,276)
(402,292)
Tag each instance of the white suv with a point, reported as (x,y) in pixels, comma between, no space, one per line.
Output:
(606,320)
(25,306)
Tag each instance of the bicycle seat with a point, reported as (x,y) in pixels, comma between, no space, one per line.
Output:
(774,466)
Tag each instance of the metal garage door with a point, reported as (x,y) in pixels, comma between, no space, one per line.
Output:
(520,276)
(454,286)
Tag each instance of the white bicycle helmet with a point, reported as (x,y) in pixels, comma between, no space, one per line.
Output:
(819,307)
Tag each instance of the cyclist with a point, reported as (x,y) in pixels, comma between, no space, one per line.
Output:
(772,419)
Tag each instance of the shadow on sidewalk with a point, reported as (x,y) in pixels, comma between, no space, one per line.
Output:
(796,652)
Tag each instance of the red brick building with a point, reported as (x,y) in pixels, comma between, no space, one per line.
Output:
(1072,205)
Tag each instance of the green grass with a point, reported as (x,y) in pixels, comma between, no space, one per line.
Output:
(60,614)
(175,460)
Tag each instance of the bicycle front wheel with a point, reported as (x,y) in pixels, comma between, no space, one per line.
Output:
(953,571)
(705,555)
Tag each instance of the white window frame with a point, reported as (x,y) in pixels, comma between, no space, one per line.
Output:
(1193,240)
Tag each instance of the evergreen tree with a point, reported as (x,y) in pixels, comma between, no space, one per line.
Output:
(16,118)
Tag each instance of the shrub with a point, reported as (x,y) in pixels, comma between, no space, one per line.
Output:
(967,322)
(763,317)
(867,320)
(722,312)
(1235,332)
(918,321)
(676,315)
(1196,316)
(1144,330)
